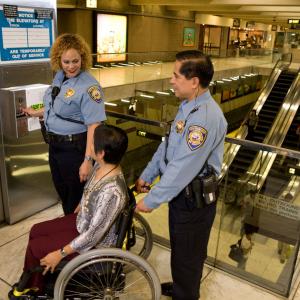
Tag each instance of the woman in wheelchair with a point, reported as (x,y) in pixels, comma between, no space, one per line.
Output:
(93,223)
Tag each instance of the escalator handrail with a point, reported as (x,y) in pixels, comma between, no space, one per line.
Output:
(264,147)
(263,162)
(231,150)
(291,57)
(274,68)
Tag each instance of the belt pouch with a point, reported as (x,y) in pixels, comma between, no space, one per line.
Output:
(197,191)
(44,131)
(209,188)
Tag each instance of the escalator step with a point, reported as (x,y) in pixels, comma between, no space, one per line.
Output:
(267,116)
(278,90)
(270,111)
(263,121)
(270,106)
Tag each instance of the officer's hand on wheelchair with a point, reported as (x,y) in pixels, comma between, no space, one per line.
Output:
(142,207)
(50,261)
(142,186)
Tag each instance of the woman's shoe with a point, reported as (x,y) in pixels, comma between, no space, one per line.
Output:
(26,294)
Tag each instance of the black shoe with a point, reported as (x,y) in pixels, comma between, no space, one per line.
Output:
(167,289)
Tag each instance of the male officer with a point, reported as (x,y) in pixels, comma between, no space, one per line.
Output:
(195,144)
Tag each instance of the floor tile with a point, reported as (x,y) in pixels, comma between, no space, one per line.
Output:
(11,232)
(11,265)
(4,289)
(221,286)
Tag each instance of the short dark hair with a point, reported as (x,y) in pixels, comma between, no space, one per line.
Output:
(112,140)
(196,64)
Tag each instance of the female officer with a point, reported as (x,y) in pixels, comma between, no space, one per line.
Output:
(73,107)
(105,196)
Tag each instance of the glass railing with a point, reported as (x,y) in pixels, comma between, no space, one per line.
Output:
(243,51)
(265,216)
(256,231)
(127,68)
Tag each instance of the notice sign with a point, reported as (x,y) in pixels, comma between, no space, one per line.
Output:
(26,34)
(277,206)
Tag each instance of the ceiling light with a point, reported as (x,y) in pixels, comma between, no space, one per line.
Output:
(147,96)
(162,93)
(110,104)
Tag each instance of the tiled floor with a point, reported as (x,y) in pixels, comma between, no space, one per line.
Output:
(215,284)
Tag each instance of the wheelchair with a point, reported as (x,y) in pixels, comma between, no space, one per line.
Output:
(110,273)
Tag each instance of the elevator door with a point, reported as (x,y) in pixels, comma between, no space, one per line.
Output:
(1,207)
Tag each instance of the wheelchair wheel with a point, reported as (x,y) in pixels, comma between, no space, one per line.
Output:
(101,274)
(143,237)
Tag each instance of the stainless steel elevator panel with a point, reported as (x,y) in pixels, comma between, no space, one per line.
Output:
(26,180)
(25,177)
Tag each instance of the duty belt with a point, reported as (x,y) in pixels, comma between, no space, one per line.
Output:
(58,138)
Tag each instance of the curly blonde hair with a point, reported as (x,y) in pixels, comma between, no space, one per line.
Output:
(70,41)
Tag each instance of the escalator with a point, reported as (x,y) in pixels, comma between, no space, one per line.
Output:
(278,177)
(272,105)
(267,115)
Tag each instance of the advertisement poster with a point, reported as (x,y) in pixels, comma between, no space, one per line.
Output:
(26,33)
(111,37)
(188,37)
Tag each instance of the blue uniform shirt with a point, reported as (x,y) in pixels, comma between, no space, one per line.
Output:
(80,98)
(201,140)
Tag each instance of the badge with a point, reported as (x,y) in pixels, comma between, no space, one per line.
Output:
(69,93)
(179,126)
(196,137)
(95,93)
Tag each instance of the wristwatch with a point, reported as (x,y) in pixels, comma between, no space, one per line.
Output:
(63,252)
(88,158)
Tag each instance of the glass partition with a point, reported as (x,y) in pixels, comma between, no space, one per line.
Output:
(140,67)
(256,231)
(259,212)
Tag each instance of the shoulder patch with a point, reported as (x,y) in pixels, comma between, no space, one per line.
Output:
(196,137)
(95,93)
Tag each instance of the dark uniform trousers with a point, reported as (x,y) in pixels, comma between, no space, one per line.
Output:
(189,234)
(46,237)
(65,159)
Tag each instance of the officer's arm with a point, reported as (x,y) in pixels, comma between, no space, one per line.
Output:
(183,168)
(90,138)
(152,169)
(92,110)
(92,105)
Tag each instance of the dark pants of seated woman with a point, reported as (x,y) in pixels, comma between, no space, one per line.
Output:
(46,237)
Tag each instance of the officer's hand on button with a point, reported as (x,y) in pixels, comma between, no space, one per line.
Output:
(142,207)
(142,186)
(28,111)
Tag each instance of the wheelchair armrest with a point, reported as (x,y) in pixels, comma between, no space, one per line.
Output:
(61,265)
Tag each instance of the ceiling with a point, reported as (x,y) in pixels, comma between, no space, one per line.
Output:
(266,11)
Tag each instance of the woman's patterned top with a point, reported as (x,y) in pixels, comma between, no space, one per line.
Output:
(101,204)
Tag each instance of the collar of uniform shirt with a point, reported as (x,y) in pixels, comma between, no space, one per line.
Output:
(188,106)
(59,77)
